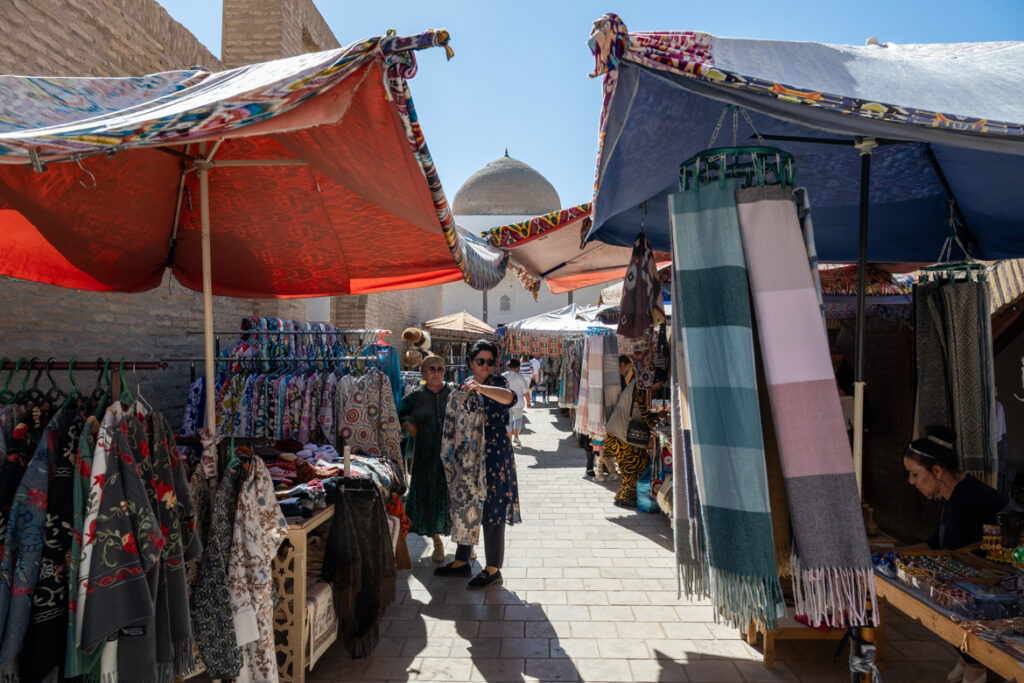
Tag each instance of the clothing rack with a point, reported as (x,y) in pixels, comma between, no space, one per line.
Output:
(114,378)
(254,330)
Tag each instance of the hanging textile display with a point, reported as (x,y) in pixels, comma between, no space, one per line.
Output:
(712,299)
(955,368)
(642,307)
(688,528)
(833,579)
(462,451)
(359,563)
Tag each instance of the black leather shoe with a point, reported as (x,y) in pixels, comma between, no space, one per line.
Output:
(590,473)
(483,580)
(449,570)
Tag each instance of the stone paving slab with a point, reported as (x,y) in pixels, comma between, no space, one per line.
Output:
(589,595)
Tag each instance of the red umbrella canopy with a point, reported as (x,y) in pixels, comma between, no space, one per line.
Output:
(320,181)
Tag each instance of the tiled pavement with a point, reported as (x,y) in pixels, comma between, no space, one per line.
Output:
(589,594)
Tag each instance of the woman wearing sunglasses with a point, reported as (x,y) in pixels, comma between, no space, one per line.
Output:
(422,417)
(501,505)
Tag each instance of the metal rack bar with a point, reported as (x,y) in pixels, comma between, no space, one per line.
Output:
(308,359)
(276,332)
(86,365)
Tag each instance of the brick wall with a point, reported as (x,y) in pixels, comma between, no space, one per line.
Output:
(95,38)
(111,37)
(260,30)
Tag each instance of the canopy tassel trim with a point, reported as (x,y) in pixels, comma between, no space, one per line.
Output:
(477,273)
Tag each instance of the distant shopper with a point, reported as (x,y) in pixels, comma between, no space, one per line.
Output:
(526,370)
(628,431)
(517,414)
(422,416)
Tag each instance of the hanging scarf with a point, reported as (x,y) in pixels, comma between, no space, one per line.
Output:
(712,297)
(610,376)
(48,620)
(688,537)
(176,516)
(359,563)
(642,306)
(212,623)
(462,452)
(833,579)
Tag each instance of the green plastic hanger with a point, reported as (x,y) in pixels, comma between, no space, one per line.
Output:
(126,397)
(6,396)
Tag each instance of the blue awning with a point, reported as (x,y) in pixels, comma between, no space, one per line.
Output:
(933,108)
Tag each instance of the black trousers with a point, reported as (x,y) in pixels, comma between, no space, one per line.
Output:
(494,546)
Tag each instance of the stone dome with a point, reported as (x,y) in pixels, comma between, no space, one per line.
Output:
(506,187)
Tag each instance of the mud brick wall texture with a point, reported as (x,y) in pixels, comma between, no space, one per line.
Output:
(133,37)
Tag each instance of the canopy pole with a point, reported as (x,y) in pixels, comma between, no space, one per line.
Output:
(210,444)
(865,146)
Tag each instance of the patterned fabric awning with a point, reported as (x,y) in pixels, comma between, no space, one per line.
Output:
(321,181)
(841,280)
(949,120)
(550,249)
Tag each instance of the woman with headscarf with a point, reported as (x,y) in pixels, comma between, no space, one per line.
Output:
(422,416)
(496,486)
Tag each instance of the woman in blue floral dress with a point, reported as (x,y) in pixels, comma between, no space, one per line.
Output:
(501,506)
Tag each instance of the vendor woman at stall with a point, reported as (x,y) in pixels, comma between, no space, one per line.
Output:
(967,505)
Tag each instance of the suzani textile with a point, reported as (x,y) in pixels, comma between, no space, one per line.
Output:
(462,451)
(833,579)
(712,300)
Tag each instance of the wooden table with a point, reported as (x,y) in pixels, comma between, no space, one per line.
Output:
(938,622)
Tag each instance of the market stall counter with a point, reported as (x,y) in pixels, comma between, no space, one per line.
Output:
(971,603)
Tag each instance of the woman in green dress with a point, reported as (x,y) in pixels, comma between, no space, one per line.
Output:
(422,416)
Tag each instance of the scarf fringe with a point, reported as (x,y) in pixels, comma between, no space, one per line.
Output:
(109,677)
(184,659)
(833,595)
(9,672)
(363,646)
(691,575)
(740,599)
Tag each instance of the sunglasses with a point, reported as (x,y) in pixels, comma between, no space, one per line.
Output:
(489,362)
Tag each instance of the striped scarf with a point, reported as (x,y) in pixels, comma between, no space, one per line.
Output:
(833,579)
(712,300)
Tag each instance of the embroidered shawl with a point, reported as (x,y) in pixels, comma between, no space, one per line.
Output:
(462,452)
(260,528)
(212,624)
(127,545)
(23,546)
(48,618)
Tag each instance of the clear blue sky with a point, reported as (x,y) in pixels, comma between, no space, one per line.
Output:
(519,75)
